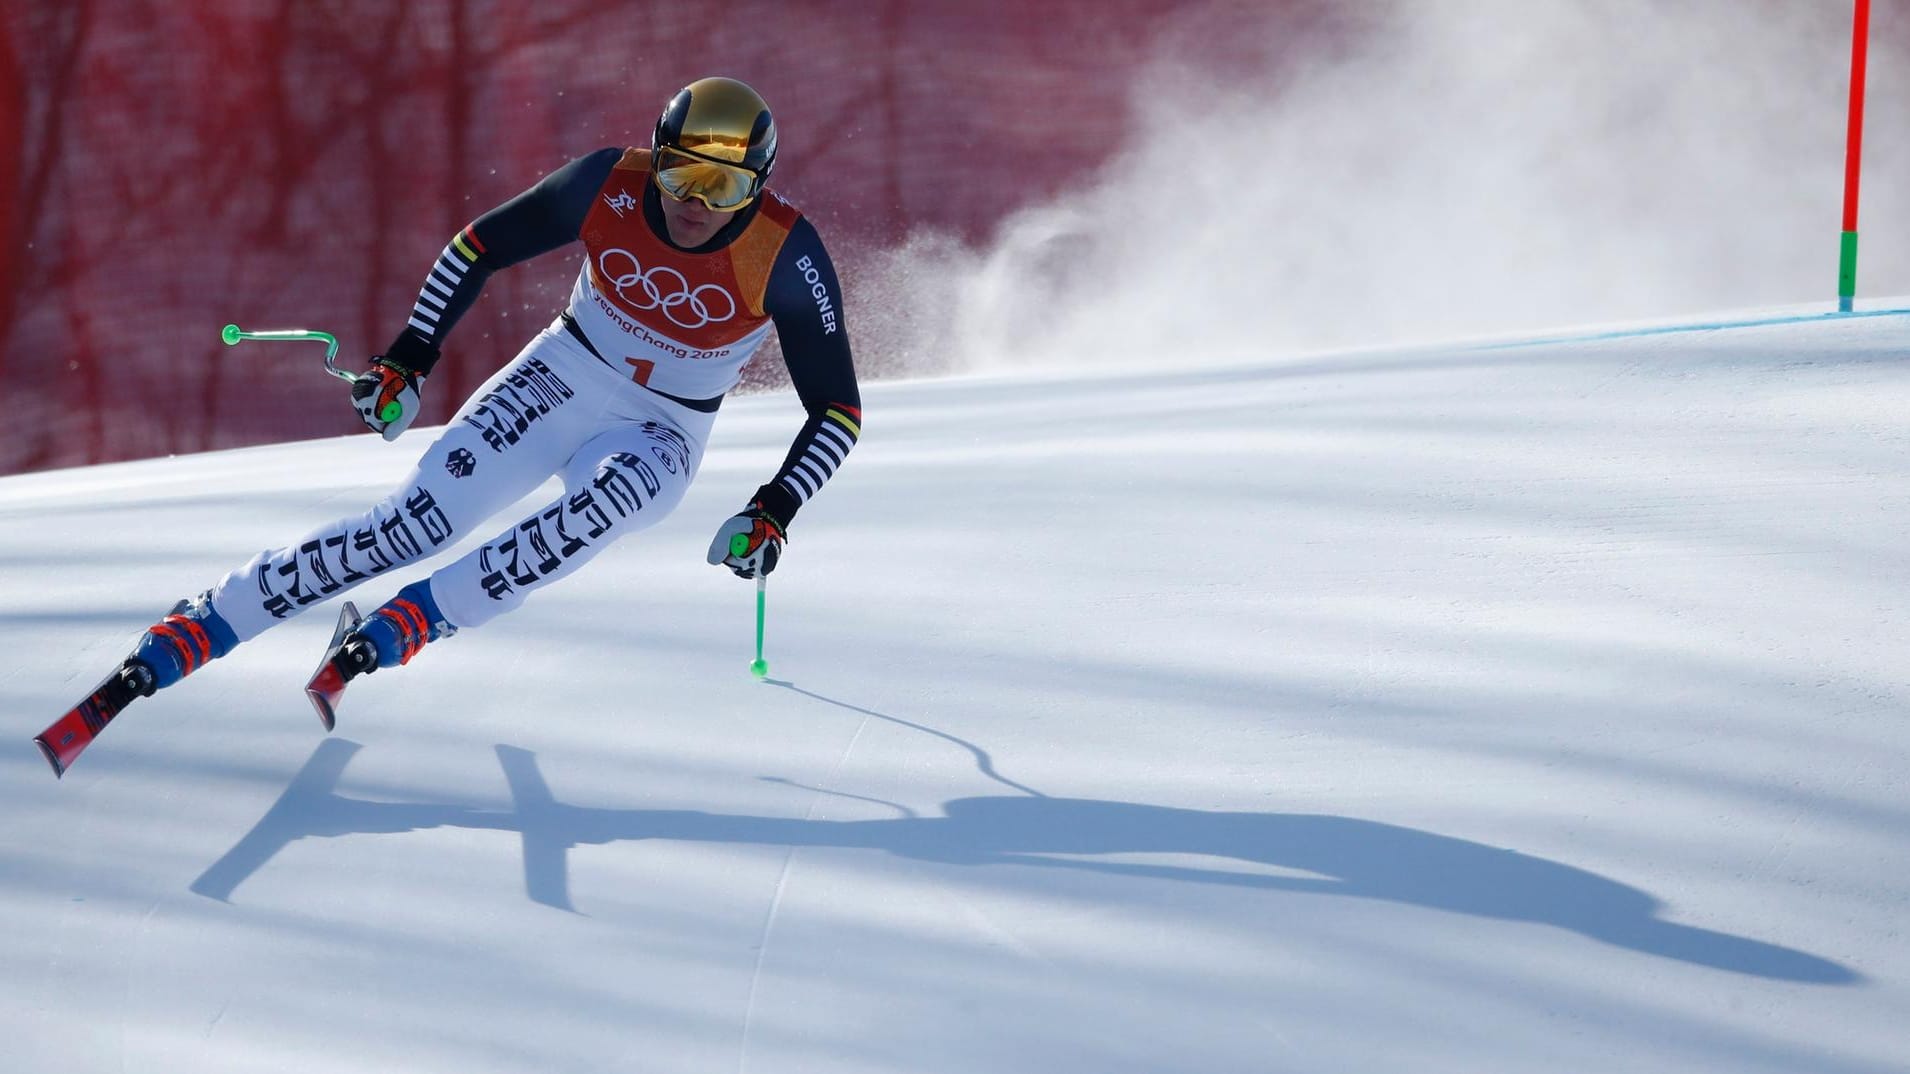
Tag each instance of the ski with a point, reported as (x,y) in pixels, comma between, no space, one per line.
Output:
(328,682)
(62,742)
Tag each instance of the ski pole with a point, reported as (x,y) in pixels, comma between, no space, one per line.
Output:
(232,334)
(760,667)
(739,546)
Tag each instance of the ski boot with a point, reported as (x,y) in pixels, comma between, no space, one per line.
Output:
(191,636)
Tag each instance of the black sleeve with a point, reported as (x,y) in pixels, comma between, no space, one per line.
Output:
(541,219)
(805,301)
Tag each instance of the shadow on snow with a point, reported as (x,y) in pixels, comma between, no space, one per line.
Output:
(1346,856)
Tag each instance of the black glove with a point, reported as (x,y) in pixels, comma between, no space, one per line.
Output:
(748,542)
(387,397)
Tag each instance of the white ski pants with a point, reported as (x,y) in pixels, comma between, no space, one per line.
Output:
(626,455)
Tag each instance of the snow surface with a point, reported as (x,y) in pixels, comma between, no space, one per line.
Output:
(1448,709)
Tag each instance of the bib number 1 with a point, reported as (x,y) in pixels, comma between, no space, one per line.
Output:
(641,368)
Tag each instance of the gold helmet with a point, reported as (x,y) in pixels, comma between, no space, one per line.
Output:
(715,142)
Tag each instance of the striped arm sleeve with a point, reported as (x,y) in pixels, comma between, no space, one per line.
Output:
(545,217)
(430,317)
(802,288)
(819,451)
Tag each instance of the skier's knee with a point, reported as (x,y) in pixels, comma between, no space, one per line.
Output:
(625,491)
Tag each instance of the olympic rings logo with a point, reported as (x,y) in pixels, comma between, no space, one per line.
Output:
(667,289)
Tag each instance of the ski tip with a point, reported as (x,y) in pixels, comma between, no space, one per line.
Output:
(59,770)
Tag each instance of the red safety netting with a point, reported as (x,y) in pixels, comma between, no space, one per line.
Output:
(173,166)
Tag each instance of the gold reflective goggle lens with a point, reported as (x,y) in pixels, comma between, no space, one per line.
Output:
(722,187)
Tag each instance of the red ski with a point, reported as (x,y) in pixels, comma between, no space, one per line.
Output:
(73,732)
(328,682)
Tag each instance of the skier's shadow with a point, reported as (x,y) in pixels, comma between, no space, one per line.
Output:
(1341,856)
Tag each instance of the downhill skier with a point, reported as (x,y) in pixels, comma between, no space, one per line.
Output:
(689,261)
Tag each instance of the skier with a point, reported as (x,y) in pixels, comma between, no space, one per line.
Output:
(688,261)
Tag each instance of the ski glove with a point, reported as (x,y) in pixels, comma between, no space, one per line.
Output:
(387,397)
(749,542)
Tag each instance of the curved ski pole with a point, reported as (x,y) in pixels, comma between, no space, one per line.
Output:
(232,334)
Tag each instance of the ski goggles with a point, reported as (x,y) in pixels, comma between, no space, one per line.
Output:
(723,187)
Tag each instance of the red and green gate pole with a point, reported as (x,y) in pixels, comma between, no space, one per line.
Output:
(1853,158)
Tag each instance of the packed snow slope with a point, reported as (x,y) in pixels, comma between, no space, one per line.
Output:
(1461,708)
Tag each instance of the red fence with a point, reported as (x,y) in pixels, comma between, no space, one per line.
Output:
(169,166)
(172,166)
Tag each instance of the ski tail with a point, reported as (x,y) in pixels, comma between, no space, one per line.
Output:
(327,686)
(64,739)
(52,756)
